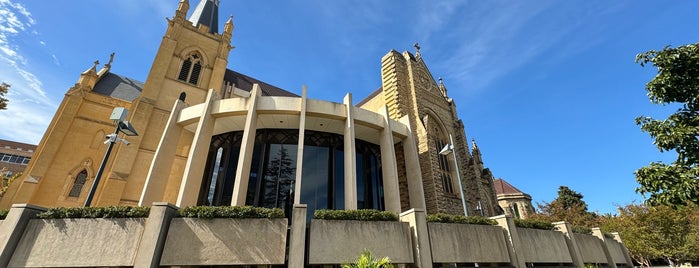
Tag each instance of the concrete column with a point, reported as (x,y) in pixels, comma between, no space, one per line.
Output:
(159,171)
(299,152)
(389,169)
(571,242)
(196,160)
(412,168)
(350,157)
(627,256)
(12,229)
(154,234)
(297,239)
(416,218)
(610,260)
(514,246)
(247,145)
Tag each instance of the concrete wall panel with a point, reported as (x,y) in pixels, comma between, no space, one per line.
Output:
(542,246)
(78,242)
(616,250)
(591,248)
(459,243)
(225,242)
(336,242)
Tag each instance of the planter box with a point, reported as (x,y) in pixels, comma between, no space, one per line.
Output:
(591,248)
(543,246)
(192,241)
(337,242)
(79,242)
(467,243)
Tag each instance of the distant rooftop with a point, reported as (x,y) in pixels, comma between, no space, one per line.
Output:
(503,187)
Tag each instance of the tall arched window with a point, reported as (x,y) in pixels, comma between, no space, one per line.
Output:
(78,184)
(444,172)
(191,68)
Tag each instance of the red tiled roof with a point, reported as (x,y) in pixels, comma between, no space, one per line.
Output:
(503,187)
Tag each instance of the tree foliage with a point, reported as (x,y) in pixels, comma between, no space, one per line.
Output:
(3,90)
(666,233)
(568,206)
(366,260)
(6,179)
(677,82)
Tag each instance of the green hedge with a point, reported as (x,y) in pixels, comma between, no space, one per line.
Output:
(3,214)
(533,224)
(95,212)
(237,212)
(356,215)
(449,218)
(581,229)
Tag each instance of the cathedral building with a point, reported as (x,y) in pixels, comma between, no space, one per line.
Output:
(209,135)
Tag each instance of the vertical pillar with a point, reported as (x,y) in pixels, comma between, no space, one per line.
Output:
(196,160)
(610,260)
(299,152)
(154,234)
(412,168)
(571,242)
(12,228)
(159,171)
(350,157)
(627,256)
(416,218)
(389,169)
(247,145)
(517,258)
(297,239)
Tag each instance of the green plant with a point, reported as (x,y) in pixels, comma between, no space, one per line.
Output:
(238,212)
(450,218)
(533,224)
(3,214)
(581,229)
(356,215)
(95,212)
(365,260)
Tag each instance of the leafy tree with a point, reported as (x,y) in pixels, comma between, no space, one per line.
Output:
(568,206)
(3,90)
(365,260)
(658,232)
(677,82)
(6,179)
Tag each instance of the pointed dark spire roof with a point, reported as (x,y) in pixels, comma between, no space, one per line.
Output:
(206,13)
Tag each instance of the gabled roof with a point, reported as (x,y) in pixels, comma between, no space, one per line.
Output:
(503,187)
(245,82)
(118,87)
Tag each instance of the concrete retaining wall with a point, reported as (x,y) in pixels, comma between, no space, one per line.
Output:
(591,248)
(467,243)
(225,242)
(336,242)
(616,250)
(542,246)
(78,242)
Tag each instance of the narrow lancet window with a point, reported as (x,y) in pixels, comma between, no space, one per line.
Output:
(78,184)
(191,69)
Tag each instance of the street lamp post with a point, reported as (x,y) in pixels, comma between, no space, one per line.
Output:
(118,115)
(449,149)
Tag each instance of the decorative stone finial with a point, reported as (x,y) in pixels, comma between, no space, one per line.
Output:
(111,59)
(417,49)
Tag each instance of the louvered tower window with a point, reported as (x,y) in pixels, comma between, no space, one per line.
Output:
(78,184)
(191,68)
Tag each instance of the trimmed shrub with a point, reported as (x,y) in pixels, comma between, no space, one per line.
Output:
(581,229)
(95,212)
(449,218)
(355,215)
(533,224)
(235,212)
(3,214)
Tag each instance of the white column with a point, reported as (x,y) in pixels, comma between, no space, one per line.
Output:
(247,145)
(350,157)
(196,160)
(159,171)
(412,168)
(299,152)
(389,169)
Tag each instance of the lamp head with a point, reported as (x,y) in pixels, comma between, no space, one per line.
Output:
(446,150)
(127,128)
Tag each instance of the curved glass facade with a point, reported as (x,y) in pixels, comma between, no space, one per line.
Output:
(273,171)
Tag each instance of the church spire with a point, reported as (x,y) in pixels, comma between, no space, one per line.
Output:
(206,13)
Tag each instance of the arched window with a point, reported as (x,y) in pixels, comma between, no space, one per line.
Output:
(78,184)
(191,68)
(444,172)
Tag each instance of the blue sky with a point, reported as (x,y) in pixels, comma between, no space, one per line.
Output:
(549,89)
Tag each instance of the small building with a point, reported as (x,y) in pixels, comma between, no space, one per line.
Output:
(14,156)
(513,201)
